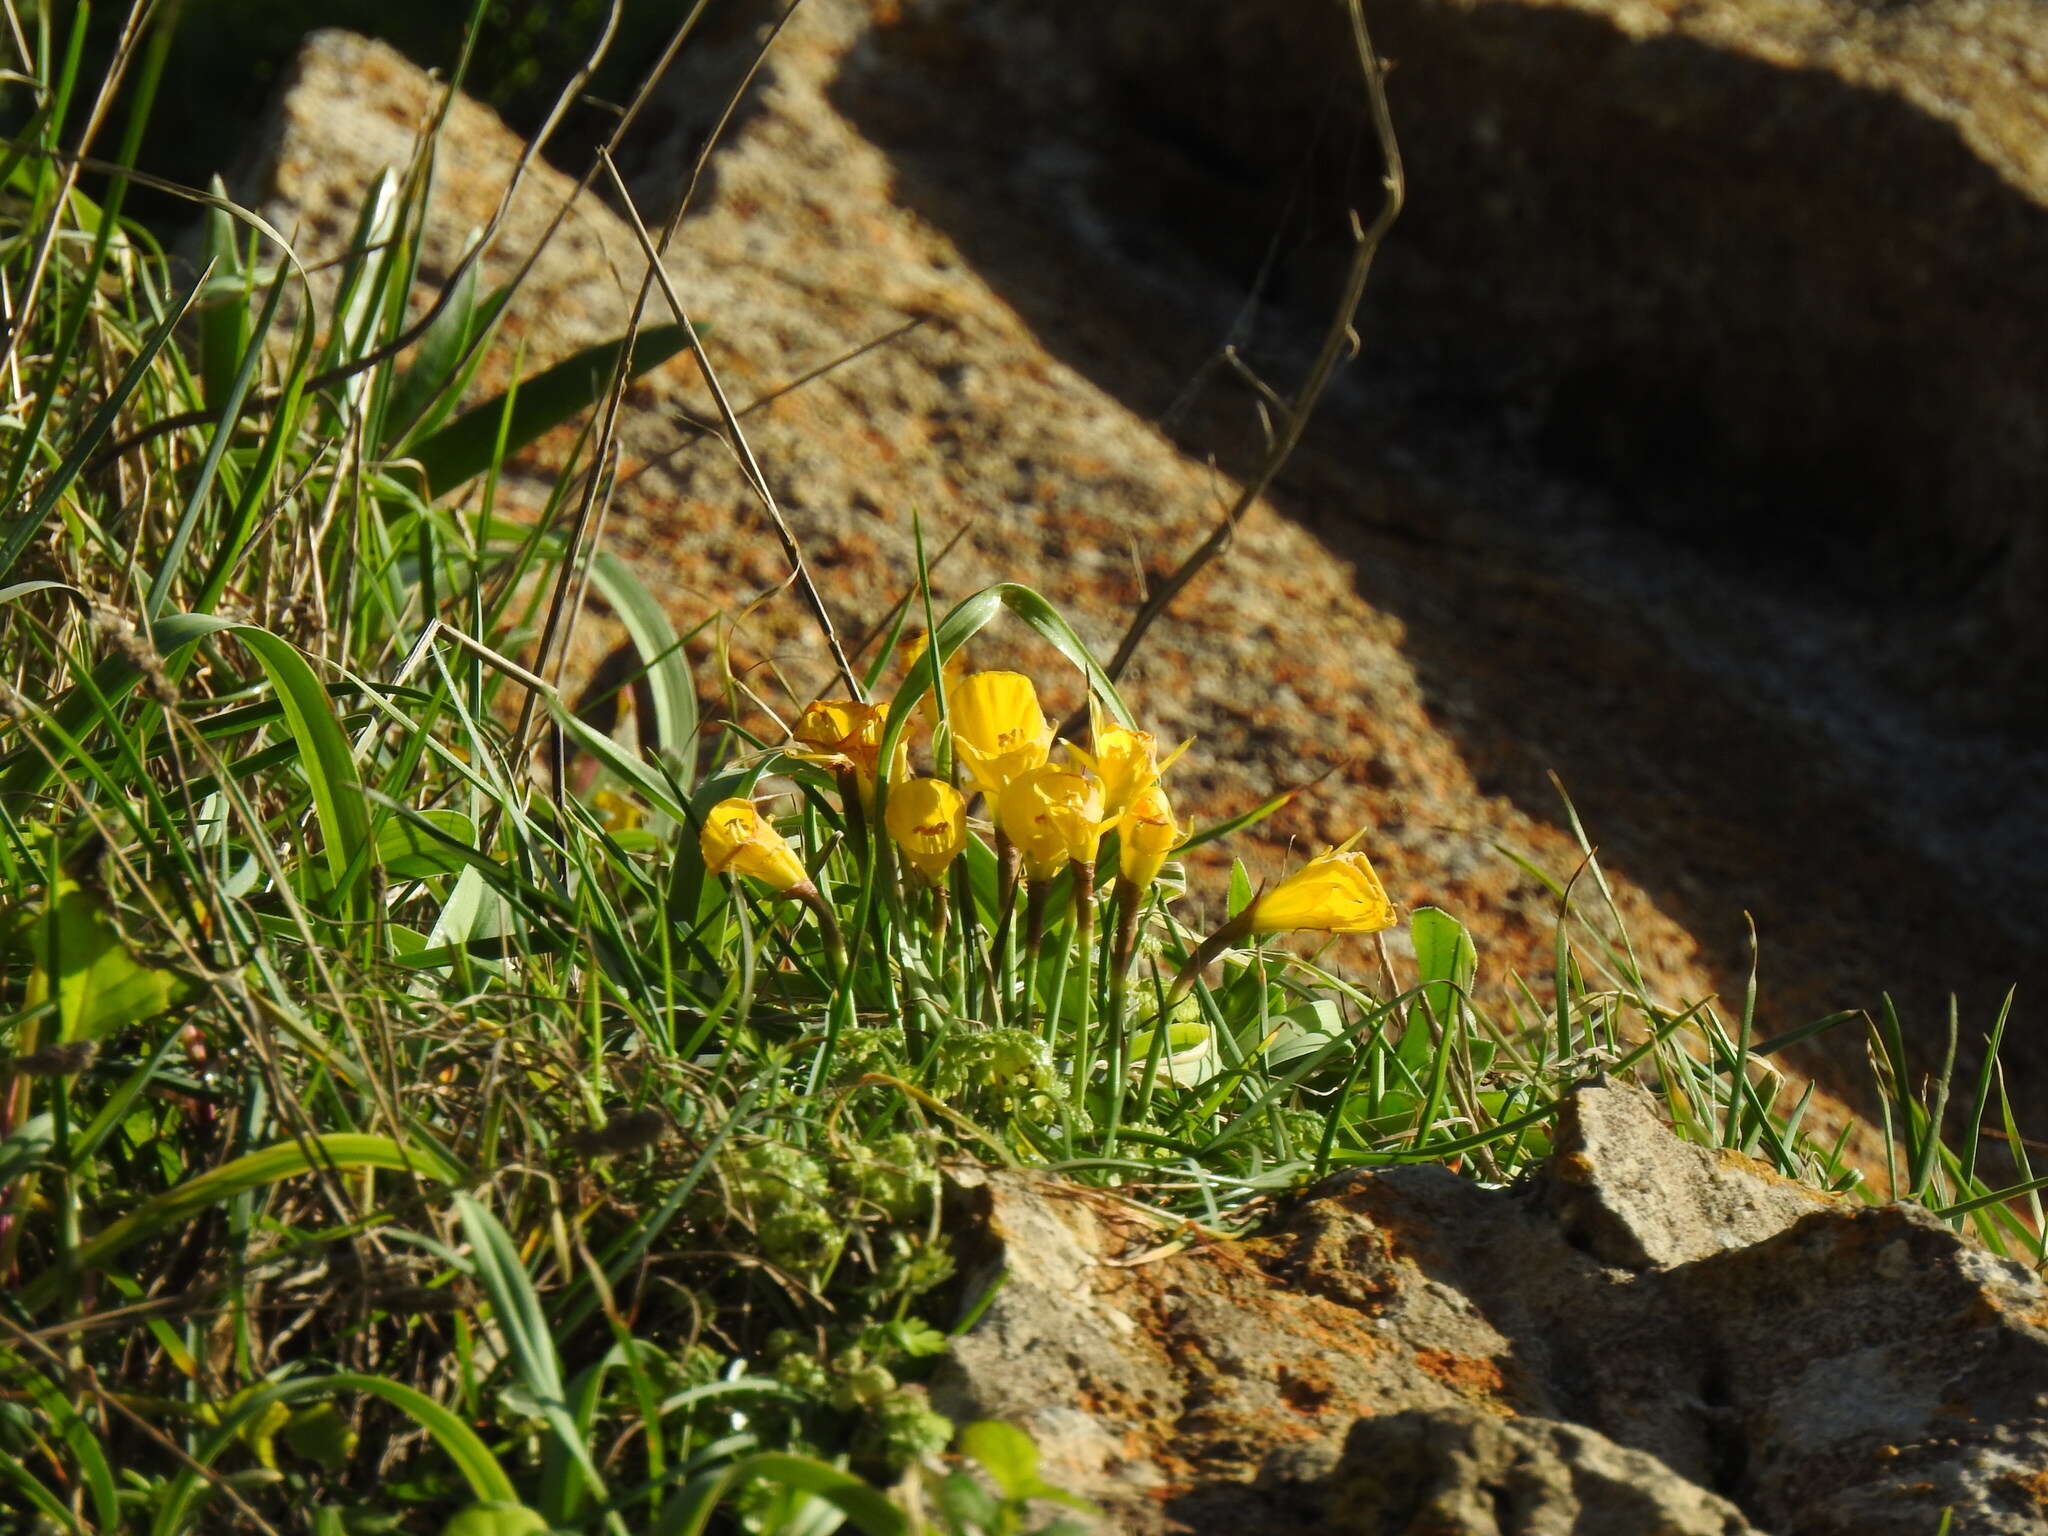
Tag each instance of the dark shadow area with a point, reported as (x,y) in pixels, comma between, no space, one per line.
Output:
(226,58)
(1779,331)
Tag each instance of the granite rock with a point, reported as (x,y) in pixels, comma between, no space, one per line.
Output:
(1405,1347)
(1413,615)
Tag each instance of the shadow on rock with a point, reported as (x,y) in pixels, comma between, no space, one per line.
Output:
(1649,1336)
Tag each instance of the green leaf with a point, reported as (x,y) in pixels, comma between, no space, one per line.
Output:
(99,985)
(408,849)
(223,308)
(465,447)
(321,1434)
(436,358)
(1240,889)
(967,1503)
(1304,1030)
(253,1170)
(661,651)
(496,1518)
(25,1146)
(1006,1453)
(1445,960)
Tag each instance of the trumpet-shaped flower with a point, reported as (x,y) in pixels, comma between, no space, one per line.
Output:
(1146,835)
(737,840)
(999,731)
(1054,816)
(928,820)
(847,732)
(1126,761)
(1334,892)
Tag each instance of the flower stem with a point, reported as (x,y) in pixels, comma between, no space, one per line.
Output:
(828,925)
(1129,904)
(1084,942)
(1034,943)
(1008,862)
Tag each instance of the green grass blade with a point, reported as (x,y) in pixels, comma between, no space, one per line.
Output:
(16,535)
(468,445)
(472,1458)
(253,1170)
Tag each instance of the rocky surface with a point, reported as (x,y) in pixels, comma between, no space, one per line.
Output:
(1407,1352)
(1439,621)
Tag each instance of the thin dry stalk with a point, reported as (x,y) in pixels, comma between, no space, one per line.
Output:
(1340,344)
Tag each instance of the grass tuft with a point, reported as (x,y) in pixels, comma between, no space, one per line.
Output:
(421,1108)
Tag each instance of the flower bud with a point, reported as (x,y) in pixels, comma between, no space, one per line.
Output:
(1146,835)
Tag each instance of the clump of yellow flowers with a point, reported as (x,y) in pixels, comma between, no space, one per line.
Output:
(1048,809)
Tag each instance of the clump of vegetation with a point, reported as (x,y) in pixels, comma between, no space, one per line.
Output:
(392,1137)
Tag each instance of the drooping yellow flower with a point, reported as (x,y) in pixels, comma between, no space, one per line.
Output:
(836,731)
(1054,817)
(928,820)
(737,840)
(1334,892)
(1146,835)
(999,731)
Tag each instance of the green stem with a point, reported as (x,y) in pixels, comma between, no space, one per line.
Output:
(1084,943)
(1034,944)
(828,925)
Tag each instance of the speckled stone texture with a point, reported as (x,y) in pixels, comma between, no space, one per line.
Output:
(1406,1352)
(1420,620)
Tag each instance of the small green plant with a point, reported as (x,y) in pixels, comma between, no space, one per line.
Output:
(421,1110)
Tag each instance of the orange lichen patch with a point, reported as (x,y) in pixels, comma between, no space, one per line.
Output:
(2032,1486)
(1574,1168)
(1468,1375)
(1742,1162)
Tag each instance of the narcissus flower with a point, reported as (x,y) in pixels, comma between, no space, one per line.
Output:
(928,820)
(848,732)
(737,840)
(1126,761)
(999,731)
(1054,817)
(1146,835)
(1334,892)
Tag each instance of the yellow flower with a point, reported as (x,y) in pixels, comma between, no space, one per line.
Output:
(928,820)
(847,731)
(1334,892)
(1147,835)
(737,840)
(1054,816)
(998,729)
(1126,760)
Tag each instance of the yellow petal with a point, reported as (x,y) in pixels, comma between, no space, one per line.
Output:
(737,840)
(1054,817)
(999,731)
(1335,892)
(928,820)
(1146,836)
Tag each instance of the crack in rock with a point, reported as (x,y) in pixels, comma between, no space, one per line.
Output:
(1648,1336)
